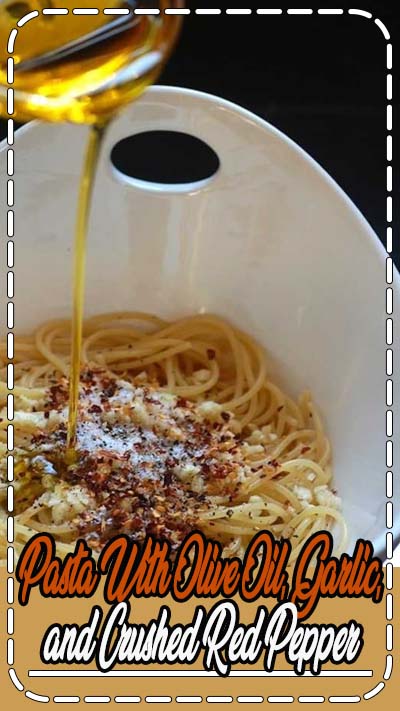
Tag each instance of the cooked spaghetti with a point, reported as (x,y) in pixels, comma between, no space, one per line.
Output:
(179,428)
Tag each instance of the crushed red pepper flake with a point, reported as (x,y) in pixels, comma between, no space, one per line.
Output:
(136,486)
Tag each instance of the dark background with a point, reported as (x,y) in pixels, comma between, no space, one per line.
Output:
(320,79)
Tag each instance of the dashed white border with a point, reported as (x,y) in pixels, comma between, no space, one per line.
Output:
(10,371)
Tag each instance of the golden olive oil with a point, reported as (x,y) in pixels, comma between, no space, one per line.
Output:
(82,69)
(78,286)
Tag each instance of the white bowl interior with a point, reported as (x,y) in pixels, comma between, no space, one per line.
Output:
(270,242)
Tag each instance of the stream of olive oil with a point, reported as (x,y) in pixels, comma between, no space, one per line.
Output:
(82,69)
(79,268)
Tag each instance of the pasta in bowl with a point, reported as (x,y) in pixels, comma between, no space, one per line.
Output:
(267,243)
(180,427)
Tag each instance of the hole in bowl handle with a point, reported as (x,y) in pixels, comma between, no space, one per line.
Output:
(164,161)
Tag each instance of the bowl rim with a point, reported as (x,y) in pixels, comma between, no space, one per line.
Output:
(373,242)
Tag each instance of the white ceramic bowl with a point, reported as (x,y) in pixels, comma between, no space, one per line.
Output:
(270,242)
